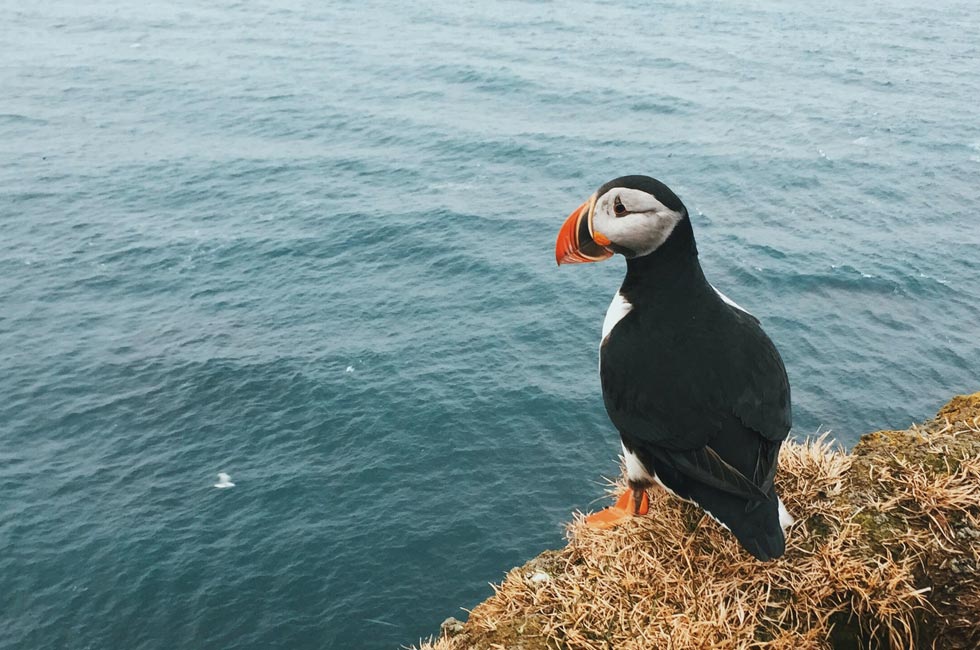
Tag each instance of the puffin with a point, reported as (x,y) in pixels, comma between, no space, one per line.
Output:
(695,387)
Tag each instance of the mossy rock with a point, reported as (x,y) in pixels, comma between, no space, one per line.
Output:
(885,554)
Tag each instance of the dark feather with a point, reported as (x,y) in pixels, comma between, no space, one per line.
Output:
(700,393)
(705,465)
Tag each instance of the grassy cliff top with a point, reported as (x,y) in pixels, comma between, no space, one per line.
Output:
(884,553)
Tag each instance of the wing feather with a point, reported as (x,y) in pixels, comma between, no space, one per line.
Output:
(710,394)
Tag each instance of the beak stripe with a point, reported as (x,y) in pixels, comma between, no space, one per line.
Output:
(576,243)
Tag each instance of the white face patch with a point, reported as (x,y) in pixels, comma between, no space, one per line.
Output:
(618,309)
(645,223)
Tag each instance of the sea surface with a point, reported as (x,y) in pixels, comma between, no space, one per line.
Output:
(311,245)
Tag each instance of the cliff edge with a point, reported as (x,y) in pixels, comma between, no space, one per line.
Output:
(885,553)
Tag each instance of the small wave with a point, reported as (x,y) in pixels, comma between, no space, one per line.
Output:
(16,118)
(660,108)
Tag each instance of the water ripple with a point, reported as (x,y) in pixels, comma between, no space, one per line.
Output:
(312,247)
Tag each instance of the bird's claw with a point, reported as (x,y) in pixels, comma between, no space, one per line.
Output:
(630,503)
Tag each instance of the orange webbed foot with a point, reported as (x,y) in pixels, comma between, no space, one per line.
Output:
(630,503)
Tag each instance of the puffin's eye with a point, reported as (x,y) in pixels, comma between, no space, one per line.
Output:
(618,207)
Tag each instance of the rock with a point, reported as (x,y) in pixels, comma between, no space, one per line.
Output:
(539,577)
(885,553)
(451,627)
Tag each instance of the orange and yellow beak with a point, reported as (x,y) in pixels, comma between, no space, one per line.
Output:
(577,242)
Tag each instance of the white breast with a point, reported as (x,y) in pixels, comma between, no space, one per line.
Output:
(618,308)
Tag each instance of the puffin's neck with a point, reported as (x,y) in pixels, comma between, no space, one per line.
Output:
(672,272)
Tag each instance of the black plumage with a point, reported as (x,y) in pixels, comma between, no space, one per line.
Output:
(696,389)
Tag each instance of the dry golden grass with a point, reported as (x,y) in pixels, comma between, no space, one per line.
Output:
(884,554)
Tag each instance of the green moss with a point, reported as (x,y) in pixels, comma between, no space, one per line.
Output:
(879,530)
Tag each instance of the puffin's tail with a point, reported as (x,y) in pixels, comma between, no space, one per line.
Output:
(759,531)
(756,524)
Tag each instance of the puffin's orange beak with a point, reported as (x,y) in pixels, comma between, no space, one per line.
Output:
(576,244)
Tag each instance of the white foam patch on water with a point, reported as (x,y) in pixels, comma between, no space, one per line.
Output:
(224,481)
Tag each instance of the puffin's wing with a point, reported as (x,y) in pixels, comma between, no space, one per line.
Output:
(713,400)
(706,465)
(758,382)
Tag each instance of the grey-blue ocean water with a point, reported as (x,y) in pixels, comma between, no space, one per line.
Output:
(311,245)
